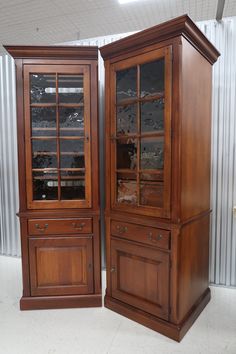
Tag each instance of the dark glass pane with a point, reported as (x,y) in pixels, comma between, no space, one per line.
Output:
(44,145)
(71,121)
(72,161)
(151,192)
(70,88)
(126,119)
(126,83)
(44,161)
(45,185)
(152,154)
(43,121)
(72,189)
(43,88)
(152,116)
(126,154)
(152,78)
(67,145)
(126,190)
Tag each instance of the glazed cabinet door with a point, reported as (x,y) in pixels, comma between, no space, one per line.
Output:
(57,136)
(140,133)
(61,266)
(140,277)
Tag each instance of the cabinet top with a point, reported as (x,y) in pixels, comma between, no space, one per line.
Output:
(56,52)
(179,26)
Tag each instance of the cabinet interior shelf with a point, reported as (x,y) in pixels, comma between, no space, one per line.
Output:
(134,100)
(159,133)
(49,105)
(37,153)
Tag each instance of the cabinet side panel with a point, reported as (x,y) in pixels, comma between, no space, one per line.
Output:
(196,132)
(194,264)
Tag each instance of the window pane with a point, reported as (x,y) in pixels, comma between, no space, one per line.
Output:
(152,78)
(45,185)
(70,88)
(151,192)
(152,116)
(126,188)
(126,83)
(72,185)
(43,121)
(126,154)
(72,161)
(43,88)
(44,145)
(126,119)
(69,145)
(152,154)
(71,121)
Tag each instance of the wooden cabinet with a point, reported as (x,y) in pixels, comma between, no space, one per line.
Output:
(58,175)
(158,119)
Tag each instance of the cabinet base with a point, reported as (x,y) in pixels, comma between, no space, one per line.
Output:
(59,302)
(173,331)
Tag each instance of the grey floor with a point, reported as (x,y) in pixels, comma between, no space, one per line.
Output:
(100,331)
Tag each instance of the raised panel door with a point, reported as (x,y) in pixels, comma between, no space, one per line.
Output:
(140,277)
(61,266)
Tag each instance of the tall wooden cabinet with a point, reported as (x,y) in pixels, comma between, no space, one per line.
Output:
(158,130)
(58,175)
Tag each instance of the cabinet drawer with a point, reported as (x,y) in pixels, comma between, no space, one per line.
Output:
(143,234)
(59,226)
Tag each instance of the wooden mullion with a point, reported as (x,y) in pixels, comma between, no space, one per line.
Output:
(43,105)
(58,140)
(138,118)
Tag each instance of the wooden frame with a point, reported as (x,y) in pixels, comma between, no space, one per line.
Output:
(181,229)
(54,224)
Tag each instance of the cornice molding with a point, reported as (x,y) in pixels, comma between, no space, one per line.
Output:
(180,26)
(55,52)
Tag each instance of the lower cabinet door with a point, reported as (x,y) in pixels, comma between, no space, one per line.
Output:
(140,277)
(61,266)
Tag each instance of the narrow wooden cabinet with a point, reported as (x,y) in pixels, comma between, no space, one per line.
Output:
(58,175)
(158,120)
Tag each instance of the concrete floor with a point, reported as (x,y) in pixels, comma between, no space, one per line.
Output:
(101,331)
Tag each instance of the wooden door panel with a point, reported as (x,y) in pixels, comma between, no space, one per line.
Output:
(140,277)
(61,266)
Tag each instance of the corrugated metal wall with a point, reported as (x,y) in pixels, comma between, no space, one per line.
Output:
(9,238)
(223,235)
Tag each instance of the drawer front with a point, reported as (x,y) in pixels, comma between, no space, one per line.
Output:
(143,234)
(60,226)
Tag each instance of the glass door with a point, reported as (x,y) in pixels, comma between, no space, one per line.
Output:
(141,133)
(57,116)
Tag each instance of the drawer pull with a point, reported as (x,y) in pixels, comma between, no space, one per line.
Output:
(41,229)
(154,238)
(113,269)
(121,229)
(78,227)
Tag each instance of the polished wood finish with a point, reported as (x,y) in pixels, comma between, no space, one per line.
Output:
(60,227)
(162,282)
(60,238)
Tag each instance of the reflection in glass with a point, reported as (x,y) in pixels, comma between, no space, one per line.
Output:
(126,191)
(152,116)
(126,83)
(72,189)
(43,121)
(44,145)
(152,78)
(44,161)
(72,161)
(126,154)
(43,88)
(126,119)
(151,192)
(152,154)
(69,145)
(44,187)
(71,121)
(70,88)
